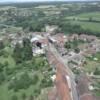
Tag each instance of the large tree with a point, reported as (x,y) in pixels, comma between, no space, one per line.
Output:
(18,53)
(23,53)
(27,49)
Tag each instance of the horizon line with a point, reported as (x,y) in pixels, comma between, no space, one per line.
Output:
(50,1)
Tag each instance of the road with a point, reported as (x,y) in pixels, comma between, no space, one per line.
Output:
(70,73)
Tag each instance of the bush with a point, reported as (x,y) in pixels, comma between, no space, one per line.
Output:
(97,71)
(5,54)
(35,79)
(24,96)
(14,97)
(31,97)
(2,52)
(2,78)
(46,82)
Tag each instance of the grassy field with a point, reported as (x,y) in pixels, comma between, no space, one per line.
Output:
(91,14)
(94,15)
(95,27)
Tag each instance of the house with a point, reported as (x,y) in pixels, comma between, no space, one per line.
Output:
(51,29)
(73,37)
(96,45)
(77,59)
(37,51)
(39,44)
(59,39)
(39,39)
(89,38)
(89,51)
(36,38)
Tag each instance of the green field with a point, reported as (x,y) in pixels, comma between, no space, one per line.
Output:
(94,15)
(91,14)
(85,24)
(95,27)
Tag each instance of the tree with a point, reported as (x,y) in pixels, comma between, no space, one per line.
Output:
(1,45)
(97,71)
(23,53)
(24,96)
(35,79)
(31,97)
(2,77)
(14,97)
(90,19)
(6,63)
(67,45)
(1,67)
(17,54)
(27,49)
(76,50)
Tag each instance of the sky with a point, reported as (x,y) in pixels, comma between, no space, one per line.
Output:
(37,0)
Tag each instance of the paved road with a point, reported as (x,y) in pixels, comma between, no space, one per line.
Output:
(70,73)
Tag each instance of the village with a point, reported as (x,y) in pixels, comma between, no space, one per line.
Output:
(81,53)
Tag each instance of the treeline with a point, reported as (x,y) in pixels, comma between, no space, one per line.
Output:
(32,4)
